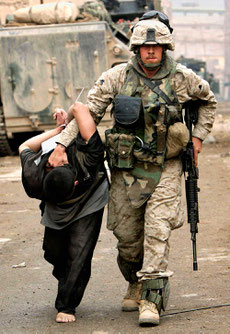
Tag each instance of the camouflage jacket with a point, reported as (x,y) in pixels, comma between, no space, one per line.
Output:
(186,85)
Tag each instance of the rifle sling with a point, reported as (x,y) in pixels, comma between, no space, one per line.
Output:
(155,88)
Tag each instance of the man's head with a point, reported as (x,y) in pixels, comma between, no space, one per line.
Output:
(151,38)
(59,183)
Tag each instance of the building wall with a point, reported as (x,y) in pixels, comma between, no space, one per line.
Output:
(227,51)
(199,32)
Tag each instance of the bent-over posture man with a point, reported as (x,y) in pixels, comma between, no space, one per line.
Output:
(143,150)
(73,198)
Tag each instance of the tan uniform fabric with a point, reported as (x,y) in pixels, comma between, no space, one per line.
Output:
(150,225)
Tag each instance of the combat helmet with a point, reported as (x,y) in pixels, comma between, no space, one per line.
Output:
(152,28)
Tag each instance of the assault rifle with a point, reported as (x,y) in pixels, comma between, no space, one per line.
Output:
(191,174)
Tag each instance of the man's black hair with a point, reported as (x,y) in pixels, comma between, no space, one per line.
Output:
(58,184)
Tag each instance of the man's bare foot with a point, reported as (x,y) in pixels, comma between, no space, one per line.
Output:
(65,317)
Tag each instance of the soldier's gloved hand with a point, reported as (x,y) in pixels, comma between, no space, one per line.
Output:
(58,157)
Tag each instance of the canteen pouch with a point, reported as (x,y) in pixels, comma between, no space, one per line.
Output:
(177,139)
(127,110)
(119,149)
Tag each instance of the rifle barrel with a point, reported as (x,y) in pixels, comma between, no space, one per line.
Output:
(195,264)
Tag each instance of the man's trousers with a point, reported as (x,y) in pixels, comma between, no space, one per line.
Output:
(70,251)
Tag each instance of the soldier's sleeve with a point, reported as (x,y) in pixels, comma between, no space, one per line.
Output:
(190,86)
(68,134)
(99,98)
(104,91)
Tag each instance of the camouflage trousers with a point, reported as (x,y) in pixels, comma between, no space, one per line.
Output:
(143,233)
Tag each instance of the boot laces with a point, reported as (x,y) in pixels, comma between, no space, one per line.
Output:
(149,306)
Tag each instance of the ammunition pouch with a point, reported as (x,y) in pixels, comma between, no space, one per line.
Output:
(156,291)
(119,149)
(127,110)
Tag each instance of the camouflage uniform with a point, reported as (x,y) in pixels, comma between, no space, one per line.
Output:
(144,209)
(162,212)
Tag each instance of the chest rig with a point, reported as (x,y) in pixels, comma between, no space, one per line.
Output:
(137,142)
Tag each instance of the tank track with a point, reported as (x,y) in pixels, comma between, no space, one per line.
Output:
(4,143)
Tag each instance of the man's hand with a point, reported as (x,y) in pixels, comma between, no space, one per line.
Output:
(60,116)
(197,146)
(58,157)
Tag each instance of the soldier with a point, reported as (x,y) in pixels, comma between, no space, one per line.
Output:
(143,151)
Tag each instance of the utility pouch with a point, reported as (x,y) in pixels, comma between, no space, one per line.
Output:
(172,115)
(177,139)
(119,149)
(127,110)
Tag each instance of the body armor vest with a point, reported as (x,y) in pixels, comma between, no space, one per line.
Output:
(139,148)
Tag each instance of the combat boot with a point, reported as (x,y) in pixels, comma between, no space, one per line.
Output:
(154,297)
(132,298)
(148,314)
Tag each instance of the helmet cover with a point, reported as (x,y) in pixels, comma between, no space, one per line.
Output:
(151,31)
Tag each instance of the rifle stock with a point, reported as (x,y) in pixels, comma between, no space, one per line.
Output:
(191,176)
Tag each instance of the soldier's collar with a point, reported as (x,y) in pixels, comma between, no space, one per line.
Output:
(163,72)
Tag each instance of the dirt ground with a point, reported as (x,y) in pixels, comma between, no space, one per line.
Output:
(199,300)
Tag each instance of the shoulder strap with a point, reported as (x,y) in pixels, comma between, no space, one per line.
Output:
(155,88)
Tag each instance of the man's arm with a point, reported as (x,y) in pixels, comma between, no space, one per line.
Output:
(189,86)
(206,115)
(35,142)
(197,146)
(83,121)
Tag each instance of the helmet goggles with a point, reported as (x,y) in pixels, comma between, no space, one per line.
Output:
(156,14)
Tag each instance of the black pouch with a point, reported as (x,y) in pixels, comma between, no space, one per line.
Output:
(127,110)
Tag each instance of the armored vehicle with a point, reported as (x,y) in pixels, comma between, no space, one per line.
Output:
(200,68)
(44,67)
(128,9)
